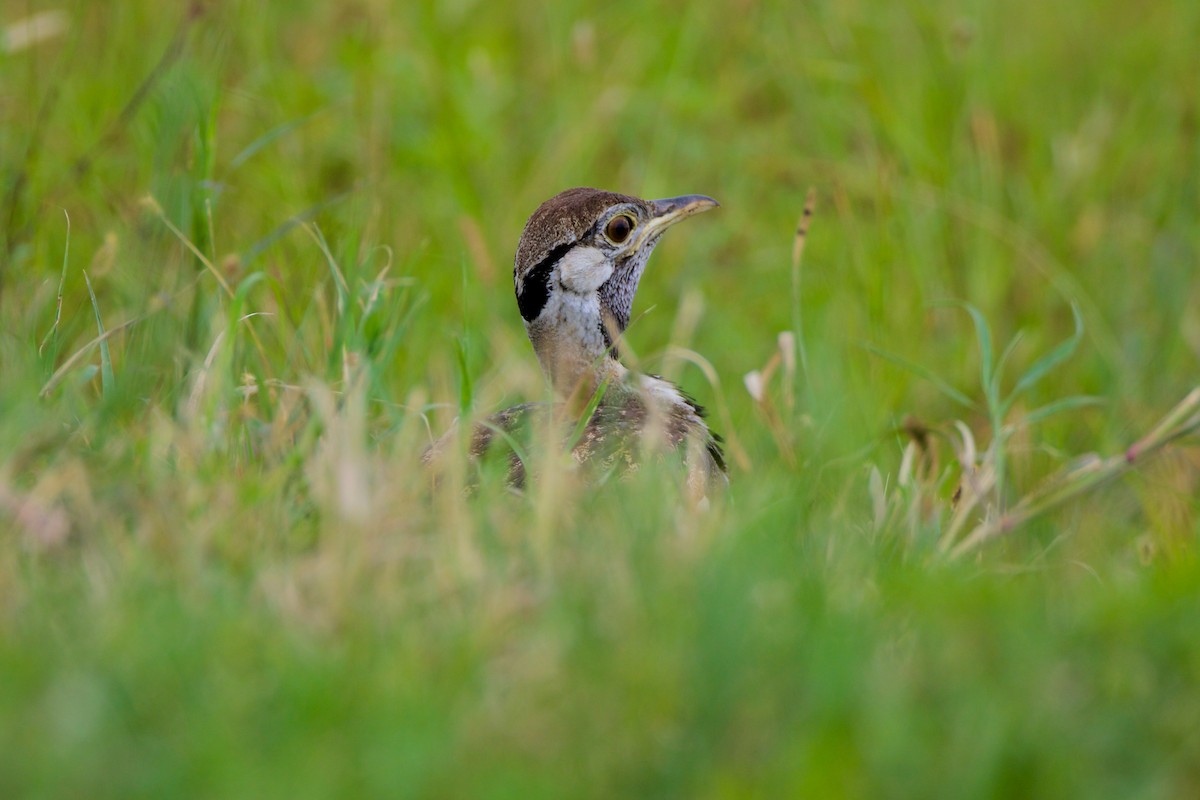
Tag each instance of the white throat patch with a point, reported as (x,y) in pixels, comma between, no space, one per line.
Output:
(584,270)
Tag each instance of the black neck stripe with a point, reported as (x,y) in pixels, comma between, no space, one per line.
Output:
(609,345)
(535,291)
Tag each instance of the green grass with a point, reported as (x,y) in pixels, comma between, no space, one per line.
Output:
(284,266)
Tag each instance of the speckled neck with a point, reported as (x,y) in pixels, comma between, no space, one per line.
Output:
(570,344)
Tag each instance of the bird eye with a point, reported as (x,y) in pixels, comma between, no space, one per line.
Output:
(619,228)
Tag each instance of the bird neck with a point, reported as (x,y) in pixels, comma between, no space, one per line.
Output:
(571,346)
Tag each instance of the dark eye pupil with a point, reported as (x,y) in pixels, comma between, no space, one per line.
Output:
(619,228)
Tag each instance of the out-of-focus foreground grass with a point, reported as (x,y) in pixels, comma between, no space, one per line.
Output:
(223,571)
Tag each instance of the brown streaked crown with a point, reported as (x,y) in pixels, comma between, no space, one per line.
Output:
(563,219)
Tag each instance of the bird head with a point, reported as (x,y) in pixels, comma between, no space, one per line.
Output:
(577,268)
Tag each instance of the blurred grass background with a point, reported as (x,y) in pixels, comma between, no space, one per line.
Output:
(222,571)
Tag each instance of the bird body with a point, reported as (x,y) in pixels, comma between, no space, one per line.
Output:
(578,263)
(637,415)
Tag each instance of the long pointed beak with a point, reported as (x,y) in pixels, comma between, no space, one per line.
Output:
(669,210)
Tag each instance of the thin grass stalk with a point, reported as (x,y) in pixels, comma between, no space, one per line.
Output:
(1182,421)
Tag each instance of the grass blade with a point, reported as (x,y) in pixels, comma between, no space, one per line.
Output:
(1066,404)
(921,372)
(107,381)
(284,228)
(466,387)
(1052,359)
(271,136)
(1002,362)
(339,280)
(983,335)
(798,243)
(52,334)
(586,417)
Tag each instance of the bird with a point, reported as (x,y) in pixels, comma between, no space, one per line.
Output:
(578,263)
